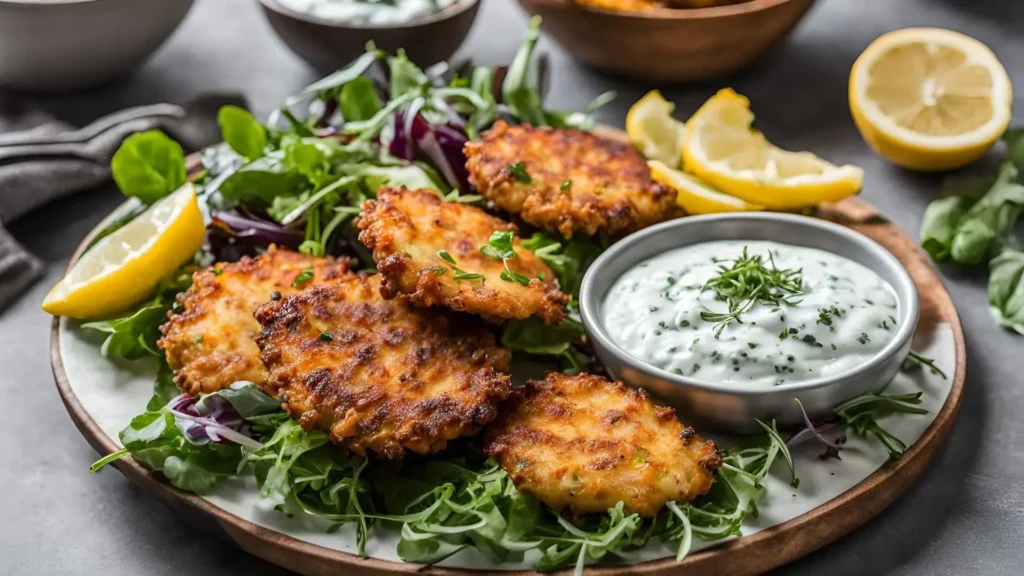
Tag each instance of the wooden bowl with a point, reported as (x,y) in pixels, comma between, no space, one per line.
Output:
(669,44)
(328,46)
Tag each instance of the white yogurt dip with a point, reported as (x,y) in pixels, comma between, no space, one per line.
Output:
(364,12)
(664,312)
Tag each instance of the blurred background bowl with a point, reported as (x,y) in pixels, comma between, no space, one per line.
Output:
(328,45)
(669,44)
(63,45)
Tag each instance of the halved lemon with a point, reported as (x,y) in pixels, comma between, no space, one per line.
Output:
(930,99)
(653,130)
(695,196)
(125,267)
(721,148)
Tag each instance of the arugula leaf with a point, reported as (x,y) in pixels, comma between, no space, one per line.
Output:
(358,100)
(347,74)
(262,180)
(521,87)
(569,260)
(133,335)
(1006,290)
(406,77)
(164,388)
(242,131)
(148,165)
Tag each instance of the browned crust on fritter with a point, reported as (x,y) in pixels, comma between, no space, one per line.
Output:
(587,443)
(209,342)
(610,188)
(406,229)
(389,376)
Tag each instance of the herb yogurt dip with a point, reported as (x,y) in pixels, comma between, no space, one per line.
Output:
(752,313)
(373,12)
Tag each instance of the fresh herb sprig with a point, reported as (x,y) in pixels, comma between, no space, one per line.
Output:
(861,414)
(500,246)
(457,273)
(746,282)
(915,361)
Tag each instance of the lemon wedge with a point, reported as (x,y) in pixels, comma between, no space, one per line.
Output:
(721,148)
(653,130)
(125,267)
(930,99)
(695,196)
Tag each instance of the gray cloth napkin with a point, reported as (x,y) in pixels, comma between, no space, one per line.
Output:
(43,159)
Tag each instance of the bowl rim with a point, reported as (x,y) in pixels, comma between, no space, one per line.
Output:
(905,289)
(671,14)
(446,13)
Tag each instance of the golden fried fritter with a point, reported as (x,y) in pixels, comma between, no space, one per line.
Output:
(209,341)
(406,229)
(567,180)
(587,443)
(381,374)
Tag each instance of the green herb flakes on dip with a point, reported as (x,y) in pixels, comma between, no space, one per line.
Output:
(751,313)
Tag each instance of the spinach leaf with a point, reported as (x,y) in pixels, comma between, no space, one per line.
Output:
(972,229)
(358,100)
(1006,290)
(262,180)
(531,336)
(148,165)
(242,131)
(569,259)
(939,224)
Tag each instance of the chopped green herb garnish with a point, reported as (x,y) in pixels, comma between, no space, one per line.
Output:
(500,245)
(217,271)
(566,185)
(439,270)
(326,336)
(863,338)
(305,276)
(517,170)
(446,257)
(198,339)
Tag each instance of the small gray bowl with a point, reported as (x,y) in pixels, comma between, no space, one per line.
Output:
(327,45)
(65,45)
(734,408)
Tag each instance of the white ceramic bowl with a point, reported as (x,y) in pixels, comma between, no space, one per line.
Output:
(59,45)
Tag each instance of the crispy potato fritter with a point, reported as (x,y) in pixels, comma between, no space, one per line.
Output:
(380,374)
(567,180)
(587,443)
(407,229)
(209,341)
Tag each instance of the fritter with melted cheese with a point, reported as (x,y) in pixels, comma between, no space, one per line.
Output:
(408,229)
(381,375)
(587,443)
(208,341)
(567,180)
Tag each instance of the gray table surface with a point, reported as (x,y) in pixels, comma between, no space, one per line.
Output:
(965,516)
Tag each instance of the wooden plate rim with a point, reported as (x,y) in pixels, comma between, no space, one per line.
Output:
(751,554)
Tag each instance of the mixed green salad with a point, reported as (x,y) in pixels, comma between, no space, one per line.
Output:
(298,181)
